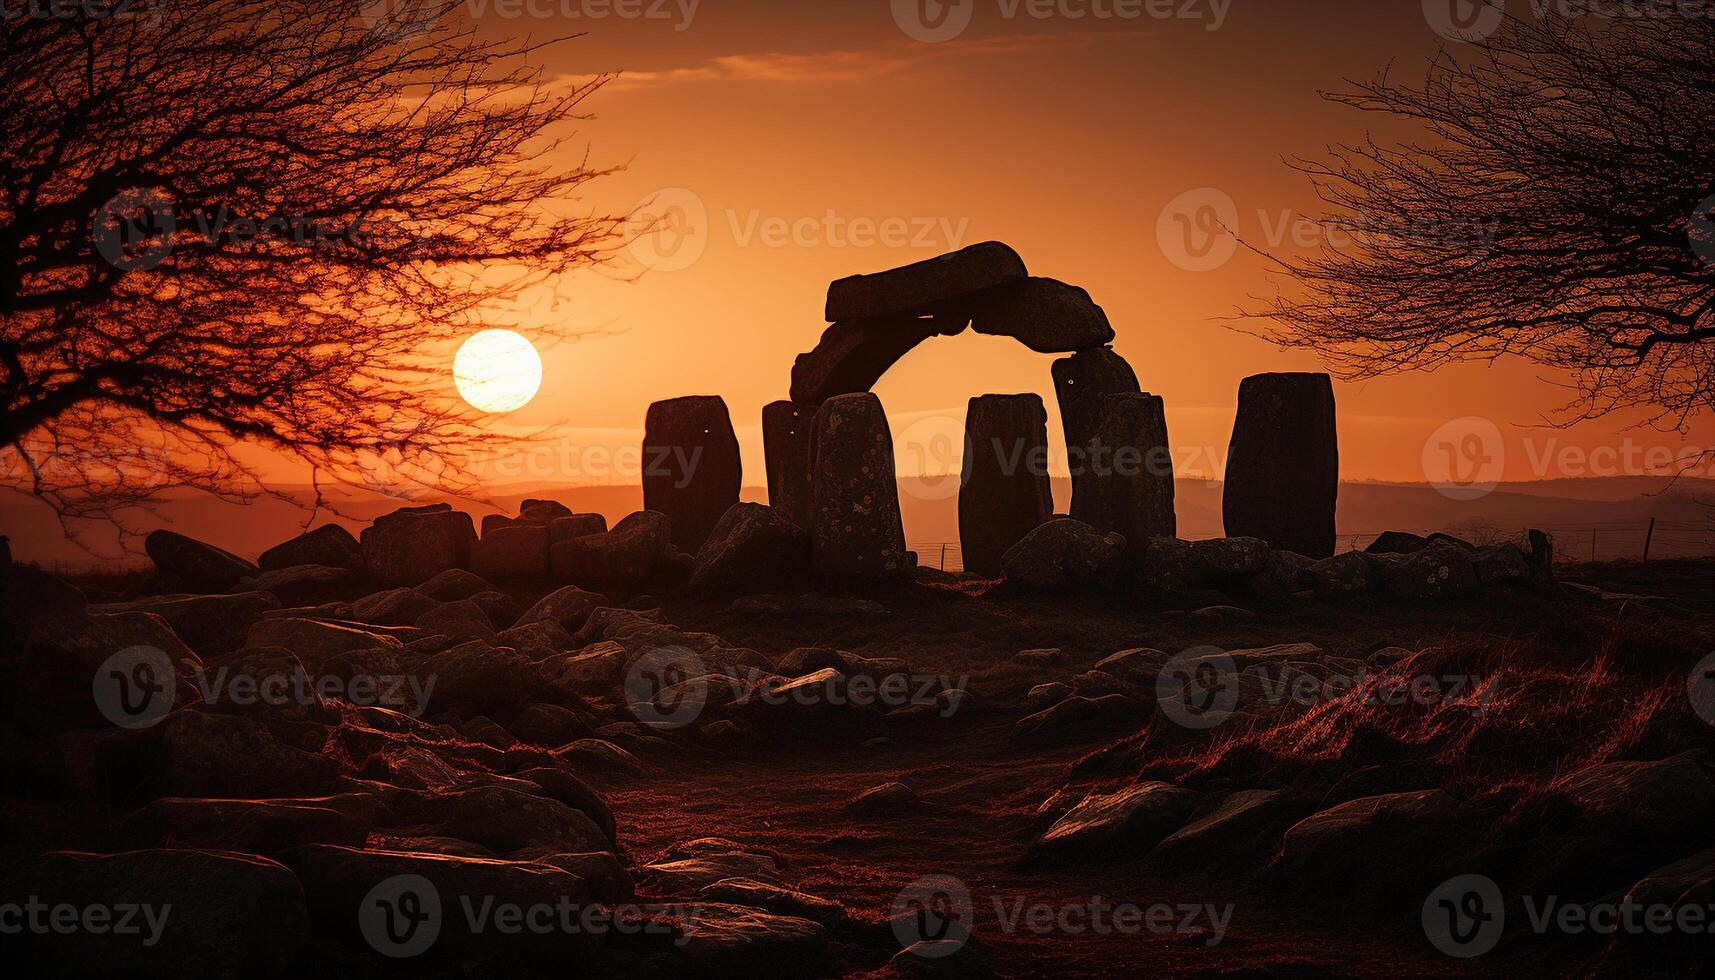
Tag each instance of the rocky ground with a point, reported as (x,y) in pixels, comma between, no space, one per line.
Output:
(1245,764)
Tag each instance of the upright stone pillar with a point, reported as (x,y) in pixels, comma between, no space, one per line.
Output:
(856,530)
(1283,468)
(691,468)
(1080,381)
(1133,471)
(1004,493)
(786,435)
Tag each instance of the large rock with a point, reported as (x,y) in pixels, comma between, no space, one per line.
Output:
(1283,466)
(1441,571)
(201,566)
(1004,492)
(330,545)
(517,553)
(201,619)
(569,608)
(413,545)
(1173,563)
(751,543)
(1662,800)
(786,444)
(29,595)
(315,642)
(691,468)
(504,820)
(1135,818)
(1045,315)
(220,755)
(857,529)
(713,939)
(1331,850)
(1132,483)
(125,669)
(852,355)
(634,552)
(1080,382)
(304,585)
(195,913)
(251,826)
(1062,554)
(931,286)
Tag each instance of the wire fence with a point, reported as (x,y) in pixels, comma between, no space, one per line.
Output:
(1574,542)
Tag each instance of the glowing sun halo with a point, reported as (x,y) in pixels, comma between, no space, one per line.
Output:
(497,371)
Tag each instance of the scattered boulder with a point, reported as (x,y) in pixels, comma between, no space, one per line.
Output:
(29,595)
(1081,714)
(303,585)
(251,826)
(569,608)
(200,620)
(1179,565)
(633,553)
(1283,467)
(1237,830)
(1063,554)
(331,545)
(1346,574)
(200,566)
(857,530)
(888,799)
(717,940)
(1436,572)
(411,546)
(135,664)
(750,543)
(315,642)
(1004,492)
(237,757)
(504,820)
(1045,315)
(776,898)
(1663,799)
(518,553)
(921,288)
(1397,543)
(1080,381)
(1136,818)
(461,620)
(575,526)
(204,913)
(1328,849)
(455,584)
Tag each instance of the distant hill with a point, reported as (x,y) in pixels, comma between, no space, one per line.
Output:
(1616,509)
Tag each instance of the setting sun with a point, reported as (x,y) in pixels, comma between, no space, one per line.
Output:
(497,371)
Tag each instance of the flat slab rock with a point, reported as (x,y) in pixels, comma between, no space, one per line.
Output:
(924,287)
(1137,817)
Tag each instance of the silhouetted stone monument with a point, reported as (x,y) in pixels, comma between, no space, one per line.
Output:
(1080,381)
(1133,472)
(1004,493)
(1045,315)
(1283,467)
(691,468)
(857,530)
(786,444)
(931,286)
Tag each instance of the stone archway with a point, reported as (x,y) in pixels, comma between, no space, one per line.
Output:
(877,319)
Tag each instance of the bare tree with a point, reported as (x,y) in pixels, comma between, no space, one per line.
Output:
(1558,207)
(232,222)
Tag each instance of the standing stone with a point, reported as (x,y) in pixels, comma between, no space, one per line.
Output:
(1134,473)
(1004,493)
(924,287)
(691,469)
(852,355)
(414,544)
(1283,467)
(857,529)
(786,432)
(1080,381)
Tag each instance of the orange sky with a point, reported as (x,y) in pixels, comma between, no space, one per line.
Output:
(791,129)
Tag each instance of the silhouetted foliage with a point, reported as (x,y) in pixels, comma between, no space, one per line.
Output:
(232,222)
(1557,207)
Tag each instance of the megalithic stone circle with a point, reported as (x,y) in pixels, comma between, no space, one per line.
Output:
(924,287)
(1283,467)
(1080,382)
(691,468)
(787,434)
(1004,493)
(857,531)
(1133,471)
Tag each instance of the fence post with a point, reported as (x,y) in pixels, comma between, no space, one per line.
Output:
(943,565)
(1592,544)
(1649,536)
